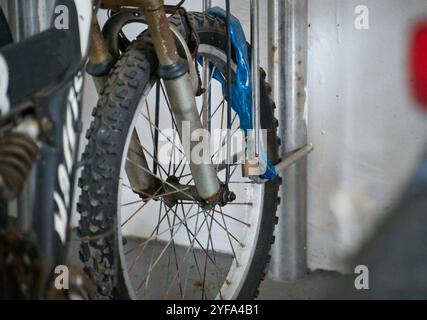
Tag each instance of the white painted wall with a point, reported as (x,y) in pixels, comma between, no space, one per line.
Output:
(367,133)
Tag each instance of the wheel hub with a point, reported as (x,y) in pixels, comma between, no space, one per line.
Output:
(174,192)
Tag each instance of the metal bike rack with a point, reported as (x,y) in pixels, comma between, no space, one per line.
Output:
(255,73)
(288,25)
(207,4)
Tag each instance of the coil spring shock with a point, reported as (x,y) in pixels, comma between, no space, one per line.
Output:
(18,153)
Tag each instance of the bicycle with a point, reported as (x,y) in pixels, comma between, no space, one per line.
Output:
(126,173)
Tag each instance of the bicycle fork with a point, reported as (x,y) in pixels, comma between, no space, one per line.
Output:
(174,71)
(179,88)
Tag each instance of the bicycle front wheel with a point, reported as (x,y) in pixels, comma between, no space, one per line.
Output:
(154,245)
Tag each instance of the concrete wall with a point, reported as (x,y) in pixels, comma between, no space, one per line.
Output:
(367,133)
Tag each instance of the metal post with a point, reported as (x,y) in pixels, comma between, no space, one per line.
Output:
(255,73)
(207,97)
(288,25)
(207,4)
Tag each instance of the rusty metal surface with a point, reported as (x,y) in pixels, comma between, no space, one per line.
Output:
(18,153)
(116,4)
(158,26)
(98,49)
(147,4)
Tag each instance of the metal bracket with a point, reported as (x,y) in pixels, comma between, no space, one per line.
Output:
(293,157)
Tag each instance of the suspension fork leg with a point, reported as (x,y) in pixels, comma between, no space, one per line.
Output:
(174,71)
(100,61)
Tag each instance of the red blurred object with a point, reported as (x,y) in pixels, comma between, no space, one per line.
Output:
(419,64)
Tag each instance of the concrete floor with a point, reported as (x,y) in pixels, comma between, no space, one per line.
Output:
(319,285)
(396,256)
(315,286)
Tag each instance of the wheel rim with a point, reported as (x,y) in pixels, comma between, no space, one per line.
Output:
(199,269)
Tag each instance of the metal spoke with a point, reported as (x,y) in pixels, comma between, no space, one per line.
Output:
(151,238)
(221,104)
(168,139)
(192,241)
(152,157)
(174,251)
(149,116)
(206,263)
(205,251)
(168,103)
(229,87)
(137,211)
(232,218)
(229,239)
(153,197)
(157,121)
(194,237)
(225,140)
(152,251)
(163,252)
(164,182)
(142,248)
(213,253)
(206,106)
(191,248)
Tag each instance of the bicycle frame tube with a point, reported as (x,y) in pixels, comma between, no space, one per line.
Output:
(44,73)
(60,114)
